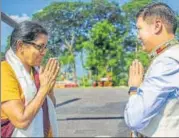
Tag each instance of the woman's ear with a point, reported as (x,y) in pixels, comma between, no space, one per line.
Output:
(19,46)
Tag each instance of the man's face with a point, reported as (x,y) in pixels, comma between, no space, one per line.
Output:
(145,34)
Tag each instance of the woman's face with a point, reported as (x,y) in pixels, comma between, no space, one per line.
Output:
(34,51)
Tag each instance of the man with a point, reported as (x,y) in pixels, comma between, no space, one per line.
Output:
(153,106)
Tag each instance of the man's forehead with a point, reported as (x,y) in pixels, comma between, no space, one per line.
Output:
(148,21)
(139,20)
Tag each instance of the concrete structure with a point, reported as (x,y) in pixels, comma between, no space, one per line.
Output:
(91,112)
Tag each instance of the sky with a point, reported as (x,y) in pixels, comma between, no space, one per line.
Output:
(21,10)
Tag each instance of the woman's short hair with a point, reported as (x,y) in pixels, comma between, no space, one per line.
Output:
(26,31)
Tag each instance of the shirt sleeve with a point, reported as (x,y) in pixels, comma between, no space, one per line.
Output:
(9,84)
(157,87)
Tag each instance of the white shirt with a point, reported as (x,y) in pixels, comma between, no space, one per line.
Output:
(154,96)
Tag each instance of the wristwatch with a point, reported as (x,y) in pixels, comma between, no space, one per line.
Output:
(132,89)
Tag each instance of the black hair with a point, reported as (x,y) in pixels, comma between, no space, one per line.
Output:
(162,11)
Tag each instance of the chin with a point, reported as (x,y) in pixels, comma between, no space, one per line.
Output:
(145,49)
(37,64)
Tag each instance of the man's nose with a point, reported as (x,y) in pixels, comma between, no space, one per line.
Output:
(138,36)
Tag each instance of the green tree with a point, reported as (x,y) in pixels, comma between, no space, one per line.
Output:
(177,31)
(2,57)
(134,50)
(68,24)
(104,51)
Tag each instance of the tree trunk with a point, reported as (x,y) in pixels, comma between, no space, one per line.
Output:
(74,72)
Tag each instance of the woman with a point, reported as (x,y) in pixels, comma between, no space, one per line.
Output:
(27,109)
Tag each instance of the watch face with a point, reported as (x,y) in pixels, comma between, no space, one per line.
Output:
(132,89)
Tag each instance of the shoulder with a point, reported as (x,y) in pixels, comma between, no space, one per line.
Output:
(10,89)
(171,53)
(5,65)
(6,68)
(6,71)
(169,58)
(164,66)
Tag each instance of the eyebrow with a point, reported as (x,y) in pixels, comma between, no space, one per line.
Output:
(41,44)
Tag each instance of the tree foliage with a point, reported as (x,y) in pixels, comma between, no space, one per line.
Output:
(68,24)
(102,32)
(104,51)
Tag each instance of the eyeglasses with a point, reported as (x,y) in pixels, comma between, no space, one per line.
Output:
(40,48)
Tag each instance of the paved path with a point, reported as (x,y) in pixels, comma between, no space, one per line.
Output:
(91,112)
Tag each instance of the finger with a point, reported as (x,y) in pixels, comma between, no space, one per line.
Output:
(47,65)
(54,75)
(51,66)
(137,67)
(55,67)
(141,69)
(133,68)
(58,67)
(57,71)
(52,84)
(130,71)
(41,70)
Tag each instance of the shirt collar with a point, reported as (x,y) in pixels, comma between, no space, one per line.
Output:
(159,49)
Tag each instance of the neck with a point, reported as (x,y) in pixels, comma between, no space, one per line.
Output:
(162,46)
(162,40)
(27,67)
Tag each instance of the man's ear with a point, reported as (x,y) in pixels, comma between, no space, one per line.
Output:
(158,26)
(19,45)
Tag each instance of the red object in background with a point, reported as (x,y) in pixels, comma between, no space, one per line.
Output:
(100,83)
(71,85)
(76,85)
(67,86)
(94,84)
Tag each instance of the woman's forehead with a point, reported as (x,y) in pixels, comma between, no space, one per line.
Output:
(42,38)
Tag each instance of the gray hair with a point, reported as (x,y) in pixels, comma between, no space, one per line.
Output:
(26,31)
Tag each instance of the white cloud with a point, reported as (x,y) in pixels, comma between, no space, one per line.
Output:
(40,10)
(21,18)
